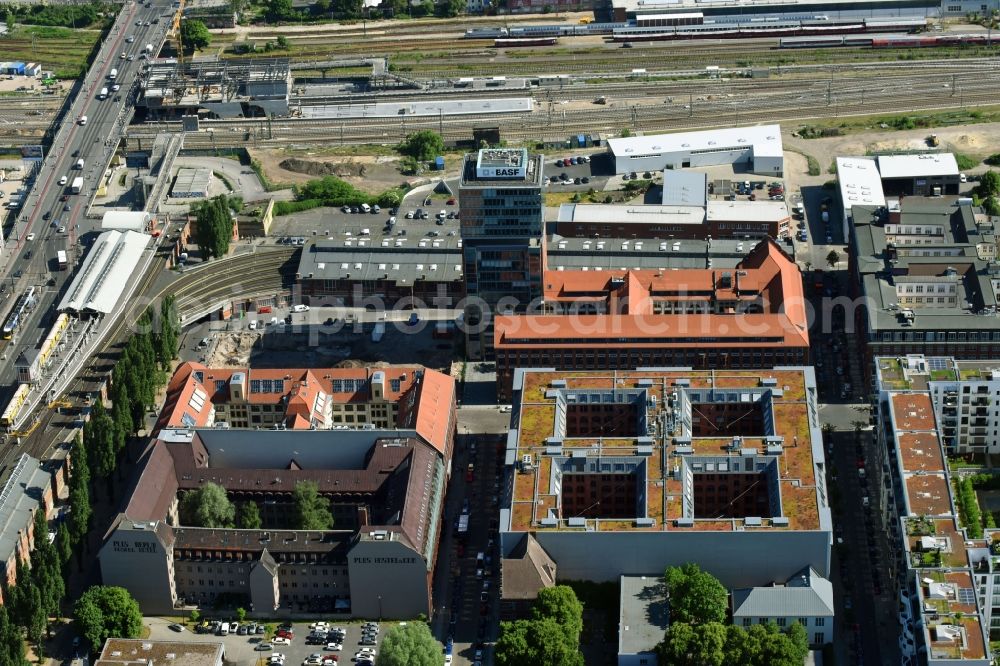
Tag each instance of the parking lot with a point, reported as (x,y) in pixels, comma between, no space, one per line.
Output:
(420,214)
(243,650)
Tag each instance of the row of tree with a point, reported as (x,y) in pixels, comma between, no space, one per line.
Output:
(35,599)
(551,637)
(210,506)
(140,371)
(699,636)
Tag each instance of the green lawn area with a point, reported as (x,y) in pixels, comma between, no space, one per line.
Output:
(64,51)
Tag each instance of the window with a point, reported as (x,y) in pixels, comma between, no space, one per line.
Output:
(780,621)
(804,621)
(747,622)
(820,621)
(818,638)
(395,385)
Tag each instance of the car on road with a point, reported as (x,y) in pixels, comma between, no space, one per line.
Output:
(31,237)
(130,39)
(46,217)
(176,627)
(67,207)
(122,56)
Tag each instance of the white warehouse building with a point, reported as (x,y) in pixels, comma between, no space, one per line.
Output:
(759,148)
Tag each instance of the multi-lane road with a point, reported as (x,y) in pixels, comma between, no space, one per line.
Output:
(53,218)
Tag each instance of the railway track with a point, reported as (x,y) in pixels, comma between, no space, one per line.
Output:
(701,106)
(265,269)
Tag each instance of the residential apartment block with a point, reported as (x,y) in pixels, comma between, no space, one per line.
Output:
(965,395)
(949,596)
(627,472)
(750,316)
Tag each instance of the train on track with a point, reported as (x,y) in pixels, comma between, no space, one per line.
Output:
(888,41)
(694,25)
(753,29)
(24,305)
(525,41)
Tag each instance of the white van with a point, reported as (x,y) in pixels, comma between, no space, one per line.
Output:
(79,164)
(365,207)
(83,120)
(103,94)
(224,629)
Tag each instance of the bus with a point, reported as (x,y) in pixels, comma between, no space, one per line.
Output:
(25,303)
(61,259)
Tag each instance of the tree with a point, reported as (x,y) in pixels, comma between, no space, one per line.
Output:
(410,645)
(194,35)
(208,506)
(694,645)
(279,10)
(167,332)
(213,227)
(282,42)
(241,614)
(989,184)
(79,493)
(560,604)
(194,616)
(349,9)
(424,145)
(535,642)
(310,511)
(64,544)
(696,596)
(11,644)
(106,611)
(449,8)
(101,445)
(9,19)
(832,258)
(716,644)
(46,569)
(27,605)
(248,516)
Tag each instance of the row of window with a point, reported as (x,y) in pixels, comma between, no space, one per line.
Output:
(939,336)
(781,621)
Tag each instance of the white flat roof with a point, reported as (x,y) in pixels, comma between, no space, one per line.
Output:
(915,166)
(625,214)
(684,188)
(125,220)
(746,211)
(765,140)
(106,270)
(860,182)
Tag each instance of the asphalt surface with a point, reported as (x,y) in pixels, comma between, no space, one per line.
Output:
(33,262)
